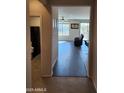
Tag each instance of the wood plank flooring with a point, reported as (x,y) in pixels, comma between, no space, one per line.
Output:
(59,84)
(65,85)
(71,60)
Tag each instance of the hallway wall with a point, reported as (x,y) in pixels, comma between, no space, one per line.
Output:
(54,36)
(28,49)
(93,44)
(36,8)
(44,1)
(34,21)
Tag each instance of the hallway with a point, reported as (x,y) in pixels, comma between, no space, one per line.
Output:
(59,84)
(71,60)
(69,74)
(65,85)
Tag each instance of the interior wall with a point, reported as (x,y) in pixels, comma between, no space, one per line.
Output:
(54,35)
(36,8)
(93,44)
(28,48)
(34,21)
(72,33)
(44,1)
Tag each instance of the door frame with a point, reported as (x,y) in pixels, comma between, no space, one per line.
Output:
(89,52)
(40,25)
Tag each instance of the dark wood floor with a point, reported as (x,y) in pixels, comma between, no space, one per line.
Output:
(64,85)
(59,84)
(71,60)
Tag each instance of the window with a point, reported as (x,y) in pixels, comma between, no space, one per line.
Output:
(84,29)
(63,29)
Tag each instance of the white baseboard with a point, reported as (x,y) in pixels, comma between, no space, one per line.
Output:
(54,62)
(51,69)
(94,85)
(86,69)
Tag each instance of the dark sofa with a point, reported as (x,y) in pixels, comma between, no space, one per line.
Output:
(78,40)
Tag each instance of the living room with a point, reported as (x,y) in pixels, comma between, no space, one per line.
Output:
(72,23)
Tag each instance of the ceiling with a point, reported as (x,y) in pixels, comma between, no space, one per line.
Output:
(74,12)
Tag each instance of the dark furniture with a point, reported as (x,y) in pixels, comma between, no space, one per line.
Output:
(78,40)
(86,43)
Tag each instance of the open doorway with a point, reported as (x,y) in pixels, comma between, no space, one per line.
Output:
(73,22)
(35,37)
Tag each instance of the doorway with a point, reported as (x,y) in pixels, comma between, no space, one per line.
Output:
(35,31)
(72,60)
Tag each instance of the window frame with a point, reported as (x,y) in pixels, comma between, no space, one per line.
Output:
(62,32)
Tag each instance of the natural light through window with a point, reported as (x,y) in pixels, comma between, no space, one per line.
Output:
(63,29)
(84,29)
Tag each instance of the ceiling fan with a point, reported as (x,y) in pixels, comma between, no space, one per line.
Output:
(62,19)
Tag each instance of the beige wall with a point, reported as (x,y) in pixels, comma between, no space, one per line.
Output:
(93,44)
(69,2)
(43,1)
(35,21)
(28,48)
(54,35)
(38,9)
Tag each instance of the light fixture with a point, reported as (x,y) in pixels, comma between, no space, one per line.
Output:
(62,18)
